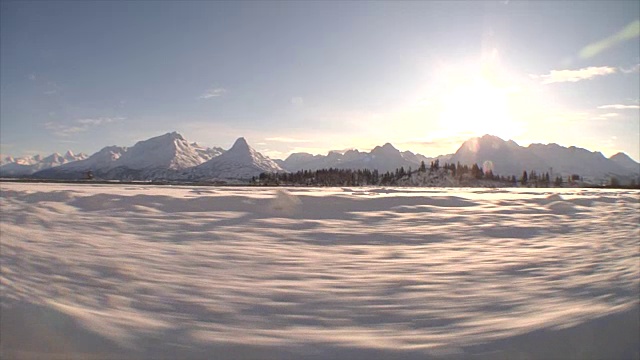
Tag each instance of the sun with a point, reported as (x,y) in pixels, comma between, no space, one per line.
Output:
(475,100)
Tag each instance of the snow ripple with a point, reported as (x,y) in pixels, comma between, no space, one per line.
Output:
(320,273)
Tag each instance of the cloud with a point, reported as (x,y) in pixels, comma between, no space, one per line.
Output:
(631,70)
(64,129)
(213,93)
(447,141)
(558,76)
(79,125)
(297,100)
(98,121)
(32,77)
(629,32)
(51,88)
(602,117)
(619,107)
(287,140)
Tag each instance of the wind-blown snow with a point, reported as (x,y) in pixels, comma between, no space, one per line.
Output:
(100,271)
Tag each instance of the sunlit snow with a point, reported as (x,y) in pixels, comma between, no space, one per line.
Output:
(135,271)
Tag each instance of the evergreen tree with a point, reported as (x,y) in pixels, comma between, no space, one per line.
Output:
(558,181)
(615,182)
(476,171)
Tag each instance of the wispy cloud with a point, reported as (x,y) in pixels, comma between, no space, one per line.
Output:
(619,107)
(79,125)
(64,129)
(213,93)
(287,140)
(629,32)
(437,142)
(98,121)
(297,100)
(602,117)
(631,70)
(51,88)
(558,76)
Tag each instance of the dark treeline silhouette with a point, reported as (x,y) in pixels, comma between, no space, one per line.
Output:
(363,177)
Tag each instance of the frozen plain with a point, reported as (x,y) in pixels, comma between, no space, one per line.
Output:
(152,272)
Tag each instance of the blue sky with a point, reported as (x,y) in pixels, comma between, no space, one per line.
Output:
(316,76)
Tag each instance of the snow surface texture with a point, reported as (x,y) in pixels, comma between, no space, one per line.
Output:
(102,271)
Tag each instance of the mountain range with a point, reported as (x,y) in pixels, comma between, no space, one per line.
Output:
(10,166)
(172,157)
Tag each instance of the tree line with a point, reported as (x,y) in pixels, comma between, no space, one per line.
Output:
(364,177)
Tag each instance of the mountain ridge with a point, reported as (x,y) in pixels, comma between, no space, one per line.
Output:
(171,157)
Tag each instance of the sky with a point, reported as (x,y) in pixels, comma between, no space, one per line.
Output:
(317,76)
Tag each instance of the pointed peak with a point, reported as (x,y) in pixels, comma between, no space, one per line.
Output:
(69,153)
(240,144)
(174,135)
(620,155)
(53,157)
(385,148)
(492,138)
(622,158)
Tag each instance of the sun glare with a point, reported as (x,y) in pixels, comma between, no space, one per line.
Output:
(476,100)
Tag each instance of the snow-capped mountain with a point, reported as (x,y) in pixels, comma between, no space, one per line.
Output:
(239,162)
(29,165)
(206,153)
(99,163)
(172,157)
(160,157)
(383,158)
(169,151)
(29,160)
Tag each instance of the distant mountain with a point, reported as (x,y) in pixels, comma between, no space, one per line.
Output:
(626,162)
(206,153)
(27,166)
(502,157)
(172,157)
(169,151)
(30,160)
(508,158)
(160,157)
(99,163)
(383,158)
(239,162)
(574,160)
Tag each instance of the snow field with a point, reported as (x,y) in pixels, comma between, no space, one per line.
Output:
(153,272)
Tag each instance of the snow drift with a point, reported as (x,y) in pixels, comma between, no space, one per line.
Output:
(97,271)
